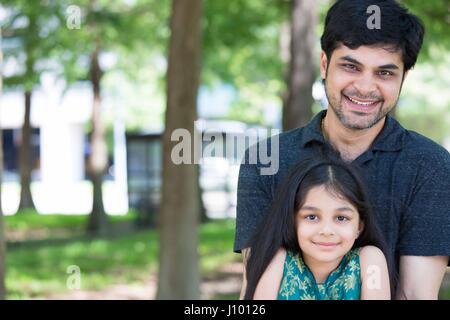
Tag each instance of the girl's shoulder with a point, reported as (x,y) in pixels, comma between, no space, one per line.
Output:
(370,253)
(371,259)
(280,255)
(374,274)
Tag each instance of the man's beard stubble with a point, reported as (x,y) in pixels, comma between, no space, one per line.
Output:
(337,108)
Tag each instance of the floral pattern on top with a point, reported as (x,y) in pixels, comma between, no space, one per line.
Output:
(343,283)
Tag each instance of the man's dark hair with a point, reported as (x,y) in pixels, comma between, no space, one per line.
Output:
(346,23)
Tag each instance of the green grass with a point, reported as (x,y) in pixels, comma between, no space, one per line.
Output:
(38,271)
(444,294)
(27,220)
(228,296)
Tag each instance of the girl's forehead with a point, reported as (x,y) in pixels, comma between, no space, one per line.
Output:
(323,198)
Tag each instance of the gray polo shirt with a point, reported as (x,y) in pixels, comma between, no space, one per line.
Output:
(408,180)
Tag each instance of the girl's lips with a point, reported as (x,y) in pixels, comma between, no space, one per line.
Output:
(326,244)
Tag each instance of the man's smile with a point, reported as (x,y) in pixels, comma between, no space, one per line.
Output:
(361,105)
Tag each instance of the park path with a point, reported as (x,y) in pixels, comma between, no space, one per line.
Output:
(226,282)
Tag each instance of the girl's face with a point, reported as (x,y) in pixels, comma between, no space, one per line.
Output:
(327,227)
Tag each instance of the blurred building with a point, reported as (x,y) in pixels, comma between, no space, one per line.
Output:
(60,146)
(58,139)
(219,166)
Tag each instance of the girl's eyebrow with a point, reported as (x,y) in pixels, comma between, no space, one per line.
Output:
(309,208)
(343,209)
(340,209)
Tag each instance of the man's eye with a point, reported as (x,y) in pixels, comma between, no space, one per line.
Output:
(350,66)
(385,73)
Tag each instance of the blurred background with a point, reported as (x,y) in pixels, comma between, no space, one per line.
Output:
(92,205)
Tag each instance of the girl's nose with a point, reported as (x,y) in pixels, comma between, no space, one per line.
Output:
(326,231)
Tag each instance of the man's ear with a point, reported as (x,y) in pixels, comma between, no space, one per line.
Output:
(323,64)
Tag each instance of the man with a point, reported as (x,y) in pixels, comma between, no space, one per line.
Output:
(408,175)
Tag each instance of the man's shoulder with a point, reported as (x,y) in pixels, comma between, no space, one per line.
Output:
(286,143)
(286,137)
(420,147)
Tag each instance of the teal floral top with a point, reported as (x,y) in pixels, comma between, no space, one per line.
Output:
(298,282)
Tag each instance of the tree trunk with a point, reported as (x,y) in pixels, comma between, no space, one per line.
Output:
(97,162)
(202,210)
(2,232)
(25,160)
(297,109)
(179,275)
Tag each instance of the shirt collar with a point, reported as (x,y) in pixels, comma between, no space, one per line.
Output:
(391,137)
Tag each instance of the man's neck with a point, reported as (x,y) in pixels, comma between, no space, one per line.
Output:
(350,143)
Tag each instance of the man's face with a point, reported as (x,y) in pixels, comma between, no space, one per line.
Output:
(363,84)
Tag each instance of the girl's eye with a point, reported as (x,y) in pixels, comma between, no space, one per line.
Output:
(311,217)
(342,218)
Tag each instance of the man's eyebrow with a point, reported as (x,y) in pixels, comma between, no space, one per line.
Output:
(389,66)
(350,59)
(385,66)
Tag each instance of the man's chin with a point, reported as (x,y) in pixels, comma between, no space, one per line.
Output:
(358,122)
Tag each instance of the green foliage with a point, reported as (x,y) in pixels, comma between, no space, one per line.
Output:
(28,38)
(241,48)
(241,39)
(116,27)
(436,17)
(424,105)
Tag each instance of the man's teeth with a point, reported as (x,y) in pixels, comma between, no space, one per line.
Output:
(361,103)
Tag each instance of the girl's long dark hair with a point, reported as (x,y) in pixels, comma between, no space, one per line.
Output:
(278,228)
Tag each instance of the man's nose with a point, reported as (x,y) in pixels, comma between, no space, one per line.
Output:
(365,85)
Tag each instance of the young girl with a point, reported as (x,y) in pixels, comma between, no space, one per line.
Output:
(319,240)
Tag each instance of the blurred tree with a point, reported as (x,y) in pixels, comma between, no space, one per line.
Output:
(97,31)
(2,228)
(297,109)
(241,48)
(27,29)
(436,17)
(179,215)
